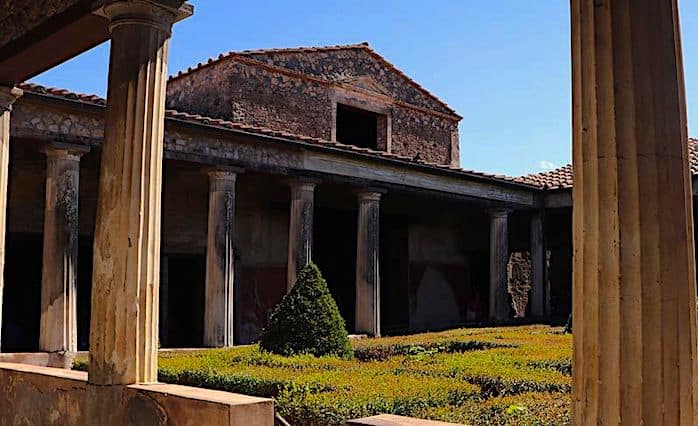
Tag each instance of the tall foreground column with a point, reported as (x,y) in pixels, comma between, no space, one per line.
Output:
(300,230)
(125,280)
(8,95)
(499,258)
(367,261)
(59,283)
(634,283)
(220,260)
(537,298)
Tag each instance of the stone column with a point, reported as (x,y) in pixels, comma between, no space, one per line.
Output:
(367,264)
(537,298)
(220,259)
(634,291)
(58,325)
(8,95)
(300,230)
(125,280)
(499,259)
(164,303)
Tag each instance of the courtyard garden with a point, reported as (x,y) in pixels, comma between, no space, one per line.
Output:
(498,376)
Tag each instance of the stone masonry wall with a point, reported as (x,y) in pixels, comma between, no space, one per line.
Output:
(263,96)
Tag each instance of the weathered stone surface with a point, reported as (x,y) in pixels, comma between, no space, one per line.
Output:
(635,358)
(126,271)
(300,231)
(220,259)
(499,255)
(60,249)
(245,92)
(8,96)
(49,396)
(367,261)
(519,281)
(17,17)
(34,119)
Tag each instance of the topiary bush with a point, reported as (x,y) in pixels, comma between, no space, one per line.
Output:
(307,320)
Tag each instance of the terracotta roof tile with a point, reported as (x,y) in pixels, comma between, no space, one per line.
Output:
(284,136)
(562,178)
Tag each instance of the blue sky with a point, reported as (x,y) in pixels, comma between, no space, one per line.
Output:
(504,65)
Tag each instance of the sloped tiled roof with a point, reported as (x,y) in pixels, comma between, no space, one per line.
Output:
(561,178)
(249,54)
(284,136)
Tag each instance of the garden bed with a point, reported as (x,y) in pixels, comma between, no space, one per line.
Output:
(503,376)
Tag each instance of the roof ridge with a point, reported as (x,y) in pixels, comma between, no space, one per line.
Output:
(349,46)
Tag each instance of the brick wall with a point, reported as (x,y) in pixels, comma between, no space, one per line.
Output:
(244,89)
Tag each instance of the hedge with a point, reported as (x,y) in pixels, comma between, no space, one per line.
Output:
(503,376)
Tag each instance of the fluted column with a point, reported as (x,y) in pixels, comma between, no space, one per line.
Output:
(300,230)
(367,264)
(125,280)
(499,258)
(634,285)
(8,95)
(58,325)
(220,259)
(537,297)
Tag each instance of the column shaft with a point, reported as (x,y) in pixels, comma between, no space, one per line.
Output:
(367,265)
(634,290)
(58,325)
(300,230)
(499,258)
(537,298)
(8,96)
(220,261)
(125,280)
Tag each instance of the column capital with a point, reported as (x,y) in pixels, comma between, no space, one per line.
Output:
(498,213)
(302,183)
(161,14)
(223,172)
(8,96)
(65,151)
(370,194)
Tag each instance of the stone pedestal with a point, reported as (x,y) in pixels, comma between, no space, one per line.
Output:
(220,259)
(634,291)
(537,298)
(125,280)
(367,262)
(499,258)
(58,325)
(8,95)
(300,230)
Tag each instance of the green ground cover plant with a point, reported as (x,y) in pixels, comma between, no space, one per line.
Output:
(499,376)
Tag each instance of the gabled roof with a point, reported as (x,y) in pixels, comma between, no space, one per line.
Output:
(561,178)
(254,55)
(287,137)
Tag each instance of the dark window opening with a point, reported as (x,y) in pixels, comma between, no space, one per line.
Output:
(357,127)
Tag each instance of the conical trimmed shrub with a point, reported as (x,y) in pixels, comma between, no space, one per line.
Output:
(307,320)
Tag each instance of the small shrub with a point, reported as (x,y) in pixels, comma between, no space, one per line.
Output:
(307,320)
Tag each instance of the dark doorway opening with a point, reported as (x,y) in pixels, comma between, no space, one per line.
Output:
(21,312)
(186,279)
(335,255)
(394,279)
(357,127)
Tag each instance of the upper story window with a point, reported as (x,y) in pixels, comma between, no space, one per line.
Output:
(357,127)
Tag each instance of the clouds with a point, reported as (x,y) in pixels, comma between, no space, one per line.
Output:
(546,166)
